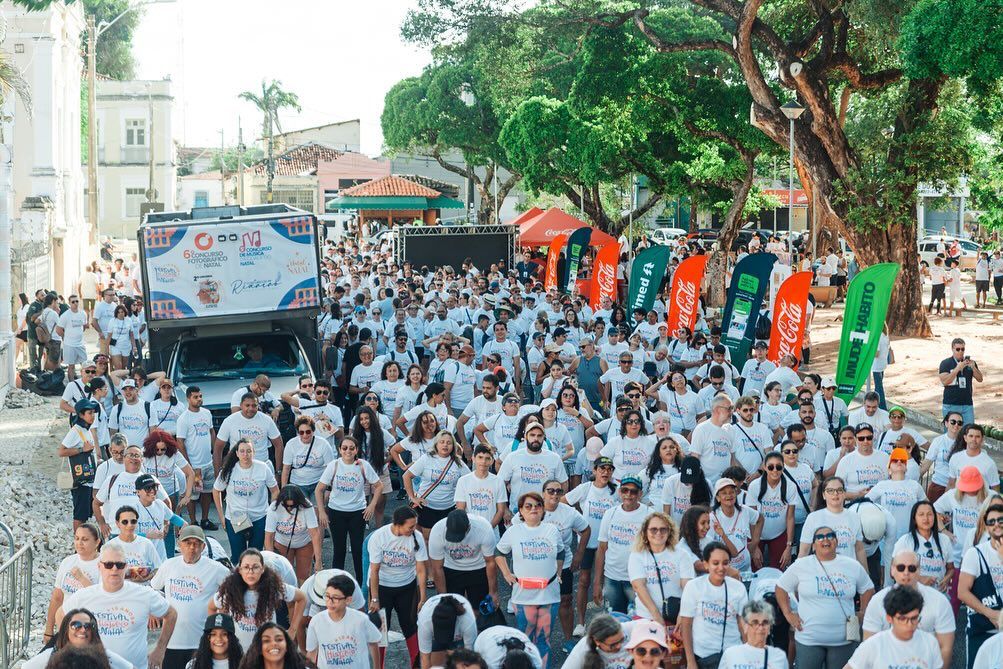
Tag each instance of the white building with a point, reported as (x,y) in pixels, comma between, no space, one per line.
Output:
(132,118)
(343,136)
(45,205)
(205,190)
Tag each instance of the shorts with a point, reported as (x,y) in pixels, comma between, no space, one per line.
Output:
(82,508)
(122,347)
(204,485)
(52,350)
(74,355)
(567,581)
(589,559)
(23,335)
(982,286)
(429,517)
(89,303)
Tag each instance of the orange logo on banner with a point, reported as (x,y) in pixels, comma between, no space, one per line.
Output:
(684,298)
(604,275)
(790,316)
(550,281)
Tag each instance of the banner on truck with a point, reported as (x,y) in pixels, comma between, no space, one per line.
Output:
(236,268)
(749,282)
(684,298)
(863,318)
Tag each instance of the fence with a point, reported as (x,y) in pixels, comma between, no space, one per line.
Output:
(15,602)
(6,368)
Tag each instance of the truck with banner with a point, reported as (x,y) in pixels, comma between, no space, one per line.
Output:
(230,293)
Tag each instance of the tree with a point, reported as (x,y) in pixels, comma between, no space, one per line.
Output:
(271,100)
(114,57)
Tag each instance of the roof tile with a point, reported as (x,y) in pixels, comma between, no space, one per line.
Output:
(298,160)
(393,186)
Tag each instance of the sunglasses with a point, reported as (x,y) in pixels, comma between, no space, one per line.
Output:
(553,491)
(774,468)
(322,392)
(128,522)
(790,451)
(911,568)
(899,462)
(529,506)
(630,491)
(657,651)
(861,437)
(114,565)
(824,536)
(955,422)
(633,421)
(78,625)
(990,522)
(836,491)
(305,431)
(634,396)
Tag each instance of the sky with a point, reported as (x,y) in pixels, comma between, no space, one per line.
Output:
(339,56)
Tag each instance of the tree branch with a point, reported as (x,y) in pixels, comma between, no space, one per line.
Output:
(467,173)
(841,62)
(667,47)
(639,211)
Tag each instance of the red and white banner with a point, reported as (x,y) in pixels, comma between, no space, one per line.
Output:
(790,317)
(604,275)
(553,255)
(684,298)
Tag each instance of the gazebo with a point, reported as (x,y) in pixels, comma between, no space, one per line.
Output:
(393,200)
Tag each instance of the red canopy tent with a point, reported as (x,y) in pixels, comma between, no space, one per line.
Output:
(530,213)
(543,228)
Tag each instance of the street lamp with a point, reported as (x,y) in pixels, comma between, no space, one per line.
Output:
(93,33)
(792,110)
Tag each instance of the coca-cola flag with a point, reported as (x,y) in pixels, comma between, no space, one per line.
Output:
(604,275)
(577,243)
(646,276)
(749,281)
(553,255)
(790,317)
(684,298)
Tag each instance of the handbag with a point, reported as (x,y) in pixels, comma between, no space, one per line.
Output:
(64,478)
(670,605)
(984,588)
(435,484)
(852,622)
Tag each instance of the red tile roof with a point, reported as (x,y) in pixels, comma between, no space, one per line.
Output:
(298,160)
(392,186)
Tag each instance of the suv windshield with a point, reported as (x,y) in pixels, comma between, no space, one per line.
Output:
(239,357)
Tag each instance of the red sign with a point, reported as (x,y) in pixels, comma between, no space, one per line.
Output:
(684,298)
(550,282)
(604,275)
(790,317)
(782,194)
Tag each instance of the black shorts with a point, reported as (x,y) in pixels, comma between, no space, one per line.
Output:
(982,286)
(567,581)
(428,517)
(589,558)
(82,497)
(936,291)
(839,280)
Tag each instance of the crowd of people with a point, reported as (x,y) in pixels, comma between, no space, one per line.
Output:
(494,457)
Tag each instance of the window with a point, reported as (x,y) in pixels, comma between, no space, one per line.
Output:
(135,132)
(133,198)
(201,198)
(301,198)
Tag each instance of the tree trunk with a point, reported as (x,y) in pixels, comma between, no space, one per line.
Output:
(717,265)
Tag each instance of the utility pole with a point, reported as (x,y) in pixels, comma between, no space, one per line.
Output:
(222,167)
(92,135)
(240,163)
(271,156)
(151,193)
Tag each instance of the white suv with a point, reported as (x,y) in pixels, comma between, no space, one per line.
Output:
(928,250)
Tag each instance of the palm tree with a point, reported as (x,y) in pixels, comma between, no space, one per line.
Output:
(272,99)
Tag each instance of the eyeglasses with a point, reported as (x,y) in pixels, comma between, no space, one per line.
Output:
(823,536)
(658,530)
(150,490)
(251,568)
(908,620)
(633,421)
(836,491)
(134,456)
(774,468)
(630,491)
(955,422)
(335,598)
(114,565)
(79,625)
(626,362)
(757,623)
(529,506)
(911,568)
(865,437)
(126,521)
(304,431)
(657,651)
(959,350)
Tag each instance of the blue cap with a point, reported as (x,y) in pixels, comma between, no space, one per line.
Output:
(632,480)
(360,310)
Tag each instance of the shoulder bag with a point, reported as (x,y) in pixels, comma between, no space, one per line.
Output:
(670,605)
(984,588)
(852,622)
(436,482)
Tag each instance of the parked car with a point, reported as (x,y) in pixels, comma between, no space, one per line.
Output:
(665,235)
(928,250)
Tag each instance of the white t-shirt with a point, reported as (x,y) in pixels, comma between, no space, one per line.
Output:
(432,468)
(154,517)
(343,644)
(260,430)
(397,556)
(567,520)
(715,624)
(189,588)
(863,471)
(751,444)
(164,415)
(750,657)
(131,420)
(964,516)
(712,444)
(898,498)
(939,448)
(326,418)
(73,327)
(465,631)
(786,377)
(469,553)
(347,484)
(67,582)
(617,380)
(618,660)
(245,625)
(480,496)
(675,568)
(115,660)
(629,455)
(594,503)
(682,409)
(307,461)
(738,528)
(534,553)
(194,427)
(990,655)
(884,650)
(982,461)
(140,552)
(164,467)
(121,616)
(291,529)
(526,472)
(247,491)
(618,530)
(773,507)
(488,645)
(937,617)
(819,600)
(676,497)
(846,525)
(933,561)
(774,414)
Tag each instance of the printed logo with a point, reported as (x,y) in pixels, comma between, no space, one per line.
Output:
(166,273)
(116,621)
(203,241)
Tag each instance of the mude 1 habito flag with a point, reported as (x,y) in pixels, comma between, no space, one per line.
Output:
(749,281)
(646,276)
(866,307)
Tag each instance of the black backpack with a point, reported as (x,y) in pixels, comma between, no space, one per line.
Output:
(286,421)
(51,383)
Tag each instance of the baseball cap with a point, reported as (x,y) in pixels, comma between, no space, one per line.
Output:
(550,401)
(360,309)
(539,335)
(647,630)
(192,532)
(219,621)
(129,383)
(970,480)
(457,525)
(145,481)
(899,454)
(896,410)
(723,483)
(630,479)
(560,332)
(602,461)
(760,344)
(690,470)
(828,382)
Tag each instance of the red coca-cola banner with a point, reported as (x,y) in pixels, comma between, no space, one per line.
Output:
(684,298)
(604,275)
(790,317)
(553,254)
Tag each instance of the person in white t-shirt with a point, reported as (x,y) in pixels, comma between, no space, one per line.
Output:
(617,532)
(342,637)
(657,571)
(785,375)
(756,622)
(195,435)
(292,530)
(461,556)
(248,424)
(709,610)
(904,644)
(481,492)
(250,486)
(844,523)
(79,630)
(70,328)
(122,610)
(75,572)
(711,440)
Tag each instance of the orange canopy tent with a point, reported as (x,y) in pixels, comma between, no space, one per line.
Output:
(543,228)
(529,214)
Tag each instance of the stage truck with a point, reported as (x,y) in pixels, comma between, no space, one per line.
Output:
(230,293)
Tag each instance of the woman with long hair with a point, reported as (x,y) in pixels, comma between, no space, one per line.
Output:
(347,479)
(958,508)
(657,571)
(845,523)
(390,383)
(249,485)
(772,496)
(937,455)
(375,443)
(78,629)
(709,610)
(419,441)
(687,488)
(373,401)
(219,647)
(934,548)
(632,448)
(601,646)
(121,343)
(292,530)
(665,461)
(162,459)
(21,331)
(252,594)
(438,471)
(570,413)
(557,434)
(407,395)
(305,456)
(805,484)
(967,452)
(75,572)
(272,647)
(694,535)
(774,410)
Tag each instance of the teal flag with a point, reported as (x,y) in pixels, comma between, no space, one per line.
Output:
(646,276)
(863,319)
(749,281)
(578,242)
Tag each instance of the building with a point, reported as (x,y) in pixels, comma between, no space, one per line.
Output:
(343,136)
(133,130)
(295,183)
(43,211)
(205,190)
(938,208)
(347,170)
(194,159)
(392,201)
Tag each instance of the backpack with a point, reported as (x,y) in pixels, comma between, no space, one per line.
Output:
(118,416)
(51,383)
(42,333)
(286,420)
(763,327)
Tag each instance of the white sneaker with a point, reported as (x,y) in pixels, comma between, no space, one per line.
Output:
(511,608)
(394,636)
(579,630)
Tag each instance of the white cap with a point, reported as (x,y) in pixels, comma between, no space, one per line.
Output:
(723,483)
(828,382)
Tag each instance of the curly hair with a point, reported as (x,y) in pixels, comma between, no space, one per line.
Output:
(641,542)
(270,589)
(203,658)
(154,438)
